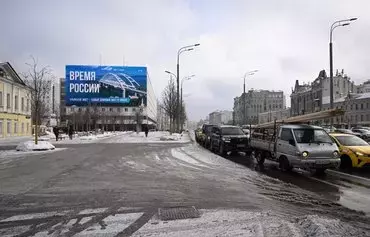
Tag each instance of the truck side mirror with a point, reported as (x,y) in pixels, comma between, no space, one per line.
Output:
(291,142)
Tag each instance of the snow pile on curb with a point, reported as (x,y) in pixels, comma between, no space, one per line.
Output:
(88,138)
(31,146)
(173,137)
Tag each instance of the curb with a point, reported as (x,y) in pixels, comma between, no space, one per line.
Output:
(352,178)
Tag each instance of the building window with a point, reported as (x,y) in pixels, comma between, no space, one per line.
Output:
(22,128)
(28,105)
(15,127)
(79,109)
(22,104)
(126,109)
(16,102)
(367,117)
(133,109)
(362,106)
(351,107)
(356,118)
(362,117)
(110,109)
(356,106)
(28,128)
(8,101)
(1,127)
(1,98)
(8,127)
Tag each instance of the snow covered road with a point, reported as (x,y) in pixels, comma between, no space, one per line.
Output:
(116,187)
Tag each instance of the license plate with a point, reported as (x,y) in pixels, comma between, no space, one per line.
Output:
(240,145)
(322,162)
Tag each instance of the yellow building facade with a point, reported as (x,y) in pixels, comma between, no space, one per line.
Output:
(15,104)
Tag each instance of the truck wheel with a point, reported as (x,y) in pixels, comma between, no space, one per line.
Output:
(222,150)
(284,164)
(259,158)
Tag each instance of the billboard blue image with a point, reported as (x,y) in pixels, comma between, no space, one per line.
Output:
(105,85)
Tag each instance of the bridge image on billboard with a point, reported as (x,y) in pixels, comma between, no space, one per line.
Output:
(105,85)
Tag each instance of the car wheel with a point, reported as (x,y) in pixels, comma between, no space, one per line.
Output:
(259,158)
(284,164)
(345,162)
(222,150)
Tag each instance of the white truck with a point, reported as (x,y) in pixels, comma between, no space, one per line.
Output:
(296,145)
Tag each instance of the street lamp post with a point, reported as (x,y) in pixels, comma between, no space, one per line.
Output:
(336,24)
(181,50)
(245,75)
(182,82)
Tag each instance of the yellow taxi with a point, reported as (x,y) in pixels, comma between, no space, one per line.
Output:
(354,152)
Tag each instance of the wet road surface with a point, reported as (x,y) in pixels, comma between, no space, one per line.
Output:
(110,179)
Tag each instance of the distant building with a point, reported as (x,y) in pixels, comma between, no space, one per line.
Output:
(219,117)
(215,118)
(364,87)
(249,105)
(272,115)
(309,98)
(357,110)
(15,104)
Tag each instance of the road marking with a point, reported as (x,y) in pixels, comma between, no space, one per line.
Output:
(111,225)
(92,211)
(157,157)
(29,216)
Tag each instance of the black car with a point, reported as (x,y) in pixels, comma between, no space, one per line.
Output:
(228,139)
(207,131)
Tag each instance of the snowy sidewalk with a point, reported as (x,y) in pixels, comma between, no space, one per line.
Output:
(153,137)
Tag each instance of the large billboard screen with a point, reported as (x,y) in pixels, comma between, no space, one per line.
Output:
(105,85)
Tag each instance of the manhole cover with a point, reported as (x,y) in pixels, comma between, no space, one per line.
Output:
(177,213)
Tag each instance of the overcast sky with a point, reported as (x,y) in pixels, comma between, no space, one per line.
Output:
(284,40)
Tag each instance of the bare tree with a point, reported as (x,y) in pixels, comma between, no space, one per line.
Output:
(39,79)
(169,102)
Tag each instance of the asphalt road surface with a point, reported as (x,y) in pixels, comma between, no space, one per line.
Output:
(118,189)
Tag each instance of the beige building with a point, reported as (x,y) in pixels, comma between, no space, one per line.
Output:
(15,106)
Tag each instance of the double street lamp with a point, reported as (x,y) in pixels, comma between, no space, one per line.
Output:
(249,73)
(336,24)
(179,52)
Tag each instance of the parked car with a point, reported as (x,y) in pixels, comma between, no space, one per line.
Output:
(347,131)
(206,130)
(354,151)
(365,134)
(227,138)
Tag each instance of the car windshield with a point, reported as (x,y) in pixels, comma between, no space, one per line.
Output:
(231,131)
(351,141)
(312,136)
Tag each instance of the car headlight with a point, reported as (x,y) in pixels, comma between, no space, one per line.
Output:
(305,154)
(335,154)
(359,153)
(208,137)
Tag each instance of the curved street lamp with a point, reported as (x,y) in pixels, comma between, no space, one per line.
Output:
(336,24)
(249,73)
(179,52)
